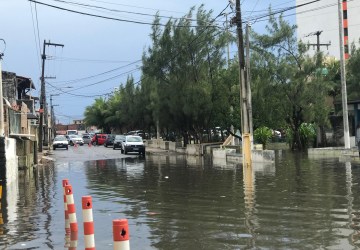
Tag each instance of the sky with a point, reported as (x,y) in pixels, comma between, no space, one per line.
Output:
(98,54)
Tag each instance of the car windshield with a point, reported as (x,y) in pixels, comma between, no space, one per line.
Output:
(74,136)
(134,139)
(60,139)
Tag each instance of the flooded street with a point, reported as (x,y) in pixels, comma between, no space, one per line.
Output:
(178,202)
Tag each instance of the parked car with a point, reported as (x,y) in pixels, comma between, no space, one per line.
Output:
(109,140)
(140,133)
(118,141)
(60,141)
(98,139)
(133,143)
(75,139)
(86,138)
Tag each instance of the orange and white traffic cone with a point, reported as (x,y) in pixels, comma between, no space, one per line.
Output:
(71,208)
(121,234)
(88,222)
(65,183)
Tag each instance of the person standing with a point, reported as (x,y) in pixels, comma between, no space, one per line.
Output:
(357,138)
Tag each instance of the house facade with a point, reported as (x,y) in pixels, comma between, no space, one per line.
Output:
(18,146)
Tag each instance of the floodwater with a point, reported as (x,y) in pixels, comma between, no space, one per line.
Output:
(177,202)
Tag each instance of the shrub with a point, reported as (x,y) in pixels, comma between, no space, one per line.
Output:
(263,135)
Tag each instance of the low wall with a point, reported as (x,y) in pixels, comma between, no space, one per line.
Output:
(164,145)
(230,155)
(330,151)
(194,149)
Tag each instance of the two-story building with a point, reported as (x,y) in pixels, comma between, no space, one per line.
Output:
(18,146)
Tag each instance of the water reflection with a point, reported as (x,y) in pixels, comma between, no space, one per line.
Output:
(177,202)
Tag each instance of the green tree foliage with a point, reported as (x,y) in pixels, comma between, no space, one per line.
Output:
(96,114)
(287,90)
(263,135)
(353,77)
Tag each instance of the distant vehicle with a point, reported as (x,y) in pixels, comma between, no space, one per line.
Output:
(140,133)
(75,139)
(109,140)
(118,141)
(86,138)
(133,143)
(98,139)
(60,141)
(71,132)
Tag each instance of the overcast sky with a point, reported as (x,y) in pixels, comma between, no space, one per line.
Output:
(93,46)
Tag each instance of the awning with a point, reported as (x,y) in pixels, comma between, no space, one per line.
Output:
(24,136)
(32,116)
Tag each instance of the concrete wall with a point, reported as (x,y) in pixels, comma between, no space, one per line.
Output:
(8,160)
(194,149)
(25,152)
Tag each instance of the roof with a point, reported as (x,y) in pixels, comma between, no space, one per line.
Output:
(25,82)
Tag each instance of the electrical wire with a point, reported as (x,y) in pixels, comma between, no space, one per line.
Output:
(103,17)
(118,11)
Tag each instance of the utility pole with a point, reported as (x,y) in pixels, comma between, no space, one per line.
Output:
(248,83)
(43,134)
(2,130)
(52,114)
(245,117)
(318,44)
(343,79)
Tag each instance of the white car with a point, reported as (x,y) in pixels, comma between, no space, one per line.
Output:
(60,142)
(133,143)
(76,139)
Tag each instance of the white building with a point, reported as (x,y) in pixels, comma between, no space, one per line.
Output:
(323,16)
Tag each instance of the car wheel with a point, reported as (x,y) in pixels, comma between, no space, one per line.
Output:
(94,143)
(125,151)
(122,151)
(105,145)
(114,148)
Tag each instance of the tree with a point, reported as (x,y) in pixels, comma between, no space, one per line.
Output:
(288,82)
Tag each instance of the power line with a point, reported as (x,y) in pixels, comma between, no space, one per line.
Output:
(115,10)
(104,17)
(71,59)
(99,74)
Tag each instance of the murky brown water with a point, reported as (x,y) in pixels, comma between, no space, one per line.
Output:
(173,202)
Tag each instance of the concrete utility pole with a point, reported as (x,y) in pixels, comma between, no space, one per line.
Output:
(52,115)
(2,130)
(43,133)
(245,116)
(343,79)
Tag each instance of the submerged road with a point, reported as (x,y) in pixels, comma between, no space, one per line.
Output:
(87,153)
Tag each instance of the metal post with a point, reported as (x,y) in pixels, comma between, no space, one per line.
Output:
(343,80)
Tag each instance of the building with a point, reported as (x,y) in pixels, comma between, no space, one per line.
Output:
(18,145)
(322,17)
